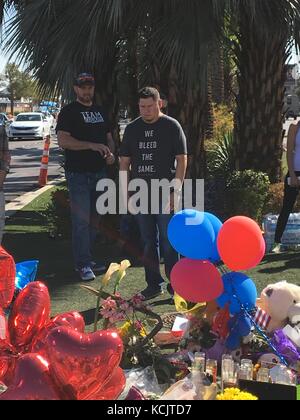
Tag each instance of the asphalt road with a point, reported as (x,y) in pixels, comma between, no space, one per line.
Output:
(25,166)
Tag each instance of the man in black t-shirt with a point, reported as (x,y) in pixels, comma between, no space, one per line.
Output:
(83,132)
(149,148)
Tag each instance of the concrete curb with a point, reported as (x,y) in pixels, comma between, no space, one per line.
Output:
(25,199)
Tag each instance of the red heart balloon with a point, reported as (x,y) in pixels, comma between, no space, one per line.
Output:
(31,311)
(7,278)
(32,381)
(8,358)
(112,389)
(71,319)
(82,363)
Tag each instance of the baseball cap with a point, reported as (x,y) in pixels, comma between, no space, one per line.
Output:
(84,79)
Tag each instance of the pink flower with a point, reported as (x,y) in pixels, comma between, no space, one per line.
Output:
(109,303)
(137,300)
(124,306)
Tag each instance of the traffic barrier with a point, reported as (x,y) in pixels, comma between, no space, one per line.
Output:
(43,178)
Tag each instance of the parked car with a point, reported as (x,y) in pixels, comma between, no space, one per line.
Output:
(29,125)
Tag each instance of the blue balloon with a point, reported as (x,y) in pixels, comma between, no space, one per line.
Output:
(239,290)
(217,225)
(192,235)
(240,326)
(26,273)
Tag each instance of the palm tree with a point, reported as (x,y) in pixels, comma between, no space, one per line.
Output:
(179,38)
(265,31)
(41,31)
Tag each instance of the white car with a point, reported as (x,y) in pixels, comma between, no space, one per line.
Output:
(29,125)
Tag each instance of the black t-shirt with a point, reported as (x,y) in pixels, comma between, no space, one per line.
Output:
(85,124)
(153,147)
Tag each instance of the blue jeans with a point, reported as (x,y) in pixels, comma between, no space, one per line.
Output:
(85,219)
(153,229)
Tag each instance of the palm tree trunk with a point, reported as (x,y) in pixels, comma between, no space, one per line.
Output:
(12,104)
(107,96)
(259,118)
(190,109)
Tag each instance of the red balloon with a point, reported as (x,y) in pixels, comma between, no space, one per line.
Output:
(241,244)
(196,281)
(8,358)
(112,389)
(81,364)
(31,311)
(32,381)
(7,278)
(71,319)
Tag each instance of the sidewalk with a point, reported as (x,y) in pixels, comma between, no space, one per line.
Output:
(25,199)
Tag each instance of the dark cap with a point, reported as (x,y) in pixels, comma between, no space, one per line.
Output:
(84,79)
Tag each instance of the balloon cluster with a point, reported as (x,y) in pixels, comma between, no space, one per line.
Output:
(204,242)
(52,359)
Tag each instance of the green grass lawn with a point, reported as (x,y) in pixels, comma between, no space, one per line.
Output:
(27,237)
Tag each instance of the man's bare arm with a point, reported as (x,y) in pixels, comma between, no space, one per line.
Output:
(66,141)
(111,143)
(181,167)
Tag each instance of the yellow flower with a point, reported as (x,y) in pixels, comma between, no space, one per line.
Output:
(111,270)
(182,306)
(124,330)
(234,394)
(122,268)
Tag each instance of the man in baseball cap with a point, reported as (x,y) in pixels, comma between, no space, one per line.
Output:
(83,131)
(84,79)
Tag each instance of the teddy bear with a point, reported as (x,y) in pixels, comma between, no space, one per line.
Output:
(281,301)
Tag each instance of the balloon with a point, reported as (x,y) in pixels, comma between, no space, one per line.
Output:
(134,394)
(192,235)
(25,273)
(196,281)
(81,364)
(240,326)
(32,381)
(30,312)
(241,244)
(8,359)
(7,278)
(112,389)
(71,319)
(217,225)
(239,289)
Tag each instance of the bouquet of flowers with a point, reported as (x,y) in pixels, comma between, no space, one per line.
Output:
(235,394)
(132,318)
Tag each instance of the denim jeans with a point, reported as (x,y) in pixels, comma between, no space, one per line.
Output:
(85,219)
(154,232)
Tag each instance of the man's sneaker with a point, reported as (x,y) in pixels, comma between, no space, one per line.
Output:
(98,268)
(86,274)
(150,293)
(277,248)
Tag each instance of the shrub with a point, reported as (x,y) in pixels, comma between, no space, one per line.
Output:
(274,200)
(246,194)
(223,120)
(220,156)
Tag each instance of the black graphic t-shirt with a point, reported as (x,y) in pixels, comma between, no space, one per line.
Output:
(153,147)
(85,124)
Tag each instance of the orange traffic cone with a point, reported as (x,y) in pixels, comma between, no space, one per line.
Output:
(44,164)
